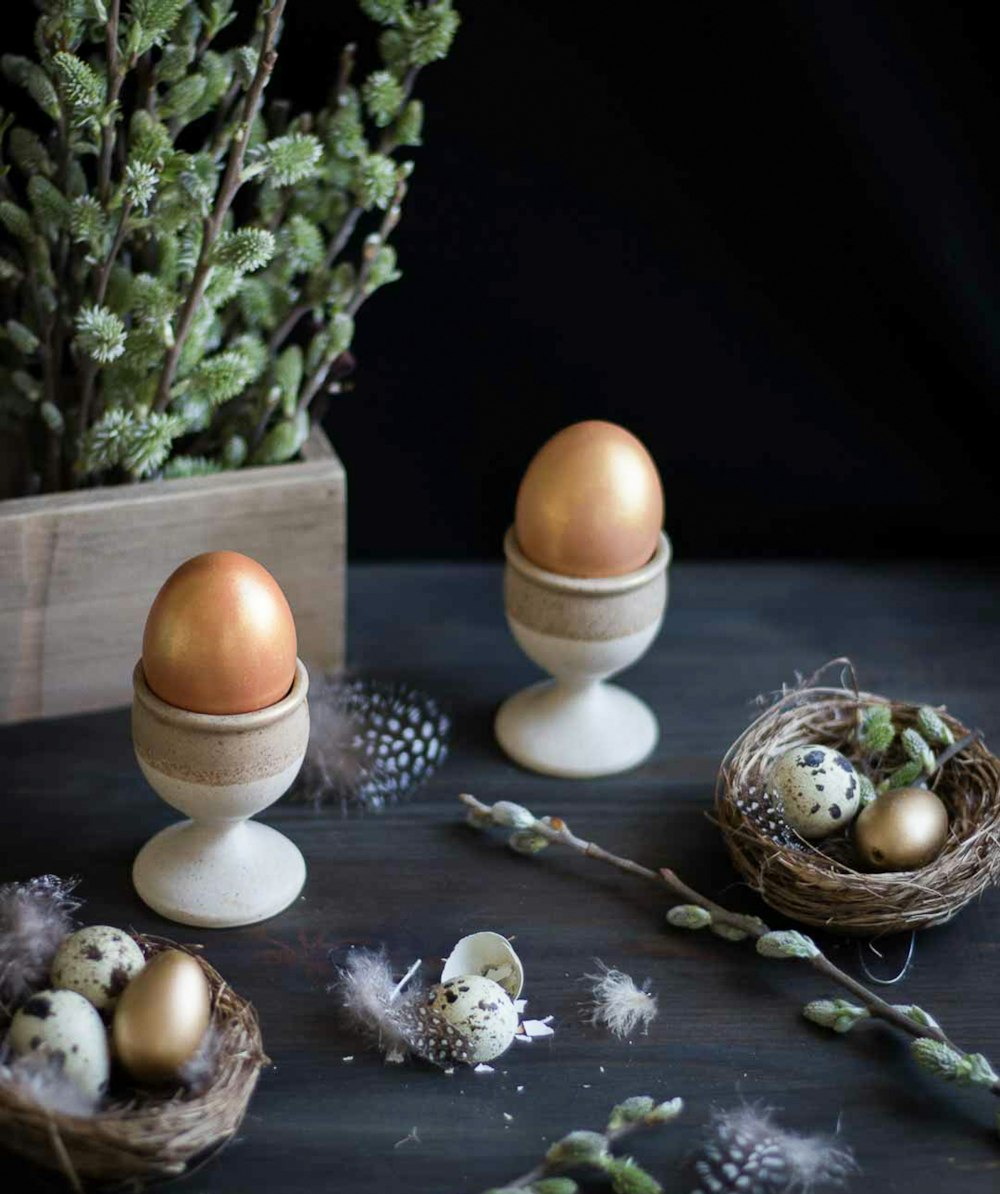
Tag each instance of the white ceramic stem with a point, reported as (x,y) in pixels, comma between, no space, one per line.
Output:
(219,869)
(581,632)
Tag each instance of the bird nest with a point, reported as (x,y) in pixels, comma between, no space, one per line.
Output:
(823,883)
(139,1136)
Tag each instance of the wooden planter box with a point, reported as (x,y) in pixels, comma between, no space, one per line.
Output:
(79,570)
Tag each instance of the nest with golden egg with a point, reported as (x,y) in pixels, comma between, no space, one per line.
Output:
(145,1133)
(828,882)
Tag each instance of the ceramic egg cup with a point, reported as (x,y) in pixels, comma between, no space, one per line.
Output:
(219,869)
(581,631)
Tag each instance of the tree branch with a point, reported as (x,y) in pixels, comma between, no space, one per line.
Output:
(116,75)
(350,220)
(231,182)
(556,831)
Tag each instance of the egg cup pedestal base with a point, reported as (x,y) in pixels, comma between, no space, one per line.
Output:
(581,631)
(219,869)
(576,733)
(219,876)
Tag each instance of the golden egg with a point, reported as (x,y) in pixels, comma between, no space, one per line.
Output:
(901,830)
(220,637)
(161,1017)
(590,503)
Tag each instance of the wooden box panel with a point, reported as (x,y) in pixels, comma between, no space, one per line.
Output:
(78,572)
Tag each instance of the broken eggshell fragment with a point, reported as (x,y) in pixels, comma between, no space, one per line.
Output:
(488,955)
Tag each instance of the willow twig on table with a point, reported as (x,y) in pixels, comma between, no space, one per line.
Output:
(932,1048)
(593,1150)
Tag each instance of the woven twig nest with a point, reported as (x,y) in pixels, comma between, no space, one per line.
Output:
(146,1136)
(822,883)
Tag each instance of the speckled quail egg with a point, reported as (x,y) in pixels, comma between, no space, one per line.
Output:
(98,962)
(67,1028)
(817,789)
(470,1019)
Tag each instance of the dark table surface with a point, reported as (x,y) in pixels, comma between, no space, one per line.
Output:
(416,878)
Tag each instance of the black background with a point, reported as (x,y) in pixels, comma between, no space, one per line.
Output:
(763,237)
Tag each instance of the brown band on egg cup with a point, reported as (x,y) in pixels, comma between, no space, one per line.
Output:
(587,609)
(220,749)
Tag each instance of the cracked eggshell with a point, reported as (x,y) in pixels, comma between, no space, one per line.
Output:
(817,789)
(97,962)
(488,955)
(65,1027)
(481,1013)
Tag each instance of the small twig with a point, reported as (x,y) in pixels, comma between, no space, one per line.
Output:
(231,182)
(100,291)
(116,76)
(556,831)
(948,754)
(632,1116)
(350,220)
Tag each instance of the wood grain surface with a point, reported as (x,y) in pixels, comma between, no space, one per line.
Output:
(73,600)
(416,878)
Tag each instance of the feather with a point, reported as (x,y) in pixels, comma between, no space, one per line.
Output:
(377,1004)
(618,1004)
(35,916)
(747,1151)
(370,742)
(197,1072)
(40,1077)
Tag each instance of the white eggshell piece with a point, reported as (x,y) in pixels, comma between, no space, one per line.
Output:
(480,1011)
(817,789)
(489,955)
(97,962)
(65,1027)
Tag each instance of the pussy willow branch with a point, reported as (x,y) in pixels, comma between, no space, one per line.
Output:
(350,220)
(558,832)
(116,76)
(315,383)
(100,290)
(231,182)
(547,1169)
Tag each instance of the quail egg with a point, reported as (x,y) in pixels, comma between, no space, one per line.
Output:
(469,1018)
(98,962)
(65,1027)
(817,789)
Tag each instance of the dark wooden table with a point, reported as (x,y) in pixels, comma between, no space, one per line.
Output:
(416,878)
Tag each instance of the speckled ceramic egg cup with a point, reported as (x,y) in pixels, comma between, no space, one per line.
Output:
(581,631)
(219,869)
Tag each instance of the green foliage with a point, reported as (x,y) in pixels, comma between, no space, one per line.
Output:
(383,95)
(917,749)
(933,727)
(903,776)
(193,328)
(876,732)
(288,159)
(100,334)
(245,250)
(431,32)
(80,87)
(375,181)
(629,1178)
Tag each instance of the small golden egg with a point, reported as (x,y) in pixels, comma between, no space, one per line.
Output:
(901,830)
(161,1017)
(590,503)
(220,637)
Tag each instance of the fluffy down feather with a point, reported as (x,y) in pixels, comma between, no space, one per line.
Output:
(35,916)
(618,1004)
(40,1077)
(376,1003)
